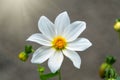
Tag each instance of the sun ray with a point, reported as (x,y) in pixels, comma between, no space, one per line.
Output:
(19,17)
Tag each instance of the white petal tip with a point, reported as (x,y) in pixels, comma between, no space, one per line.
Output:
(42,17)
(77,66)
(30,38)
(53,71)
(90,44)
(32,61)
(81,22)
(84,24)
(27,39)
(64,13)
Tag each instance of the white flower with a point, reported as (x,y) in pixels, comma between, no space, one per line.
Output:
(58,39)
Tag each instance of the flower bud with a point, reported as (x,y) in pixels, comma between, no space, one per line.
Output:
(41,69)
(117,25)
(23,56)
(102,70)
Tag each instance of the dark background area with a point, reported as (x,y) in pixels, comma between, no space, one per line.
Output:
(19,19)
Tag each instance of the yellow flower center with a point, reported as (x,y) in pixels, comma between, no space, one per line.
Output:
(59,43)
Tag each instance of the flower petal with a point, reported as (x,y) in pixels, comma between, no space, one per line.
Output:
(74,57)
(79,44)
(42,54)
(61,21)
(55,61)
(46,27)
(74,30)
(40,39)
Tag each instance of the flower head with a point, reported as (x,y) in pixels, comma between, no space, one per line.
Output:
(23,56)
(58,39)
(117,25)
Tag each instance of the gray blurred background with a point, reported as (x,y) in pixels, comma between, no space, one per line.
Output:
(19,18)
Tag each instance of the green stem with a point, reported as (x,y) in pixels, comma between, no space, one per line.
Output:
(59,74)
(47,76)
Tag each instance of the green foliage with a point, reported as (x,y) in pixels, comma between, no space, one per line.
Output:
(118,78)
(110,60)
(28,49)
(23,56)
(118,20)
(107,71)
(46,76)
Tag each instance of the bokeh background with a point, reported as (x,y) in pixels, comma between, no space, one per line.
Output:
(19,19)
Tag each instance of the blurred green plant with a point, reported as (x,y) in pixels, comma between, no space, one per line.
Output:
(107,71)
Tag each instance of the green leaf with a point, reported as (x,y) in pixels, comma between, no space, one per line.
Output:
(28,49)
(107,73)
(118,20)
(110,60)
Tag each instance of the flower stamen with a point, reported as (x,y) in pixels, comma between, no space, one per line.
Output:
(59,43)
